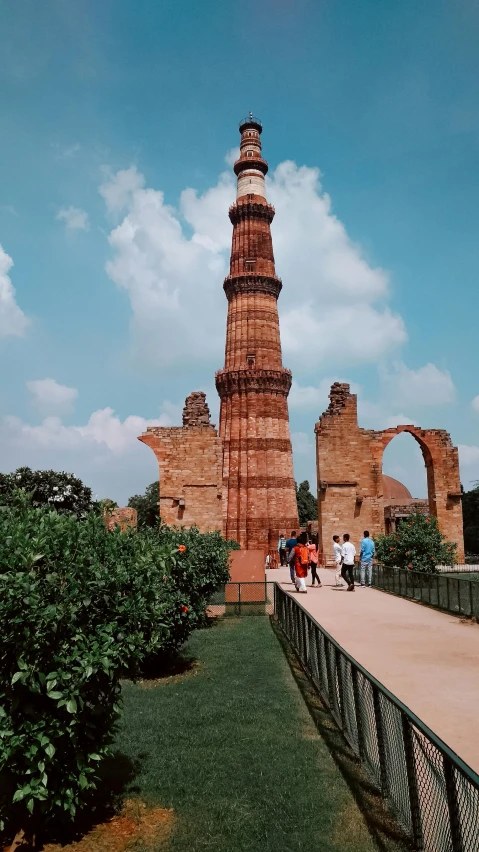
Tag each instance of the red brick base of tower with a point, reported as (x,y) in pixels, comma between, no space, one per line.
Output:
(259,495)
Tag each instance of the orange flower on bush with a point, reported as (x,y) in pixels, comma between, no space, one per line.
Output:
(182,548)
(409,566)
(184,609)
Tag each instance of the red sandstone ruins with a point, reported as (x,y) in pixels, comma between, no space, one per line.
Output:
(350,481)
(240,479)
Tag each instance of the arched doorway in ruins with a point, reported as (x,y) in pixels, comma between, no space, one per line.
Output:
(406,489)
(442,476)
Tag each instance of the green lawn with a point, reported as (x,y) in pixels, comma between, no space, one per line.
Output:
(232,748)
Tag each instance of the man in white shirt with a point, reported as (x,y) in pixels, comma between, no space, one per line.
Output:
(348,554)
(338,558)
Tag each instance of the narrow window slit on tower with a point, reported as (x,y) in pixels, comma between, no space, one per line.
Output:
(251,360)
(249,265)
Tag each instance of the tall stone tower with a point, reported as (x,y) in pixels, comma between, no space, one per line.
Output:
(258,483)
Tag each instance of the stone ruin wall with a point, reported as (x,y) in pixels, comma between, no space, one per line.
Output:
(349,470)
(190,468)
(125,518)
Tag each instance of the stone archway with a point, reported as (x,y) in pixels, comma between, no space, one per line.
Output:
(349,469)
(442,470)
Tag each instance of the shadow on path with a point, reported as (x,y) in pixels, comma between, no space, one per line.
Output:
(381,823)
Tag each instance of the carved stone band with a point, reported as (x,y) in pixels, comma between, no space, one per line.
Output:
(251,210)
(259,482)
(252,284)
(244,444)
(229,382)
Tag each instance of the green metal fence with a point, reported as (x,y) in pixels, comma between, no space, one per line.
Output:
(457,595)
(433,794)
(234,599)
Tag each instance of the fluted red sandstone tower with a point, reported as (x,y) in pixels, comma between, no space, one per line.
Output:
(258,484)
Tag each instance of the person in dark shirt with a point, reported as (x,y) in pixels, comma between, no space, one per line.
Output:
(289,546)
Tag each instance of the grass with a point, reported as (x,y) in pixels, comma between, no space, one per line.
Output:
(231,747)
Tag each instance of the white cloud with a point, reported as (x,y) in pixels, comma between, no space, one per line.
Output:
(118,190)
(104,452)
(232,155)
(309,397)
(427,385)
(13,321)
(75,219)
(50,396)
(70,151)
(475,404)
(173,278)
(103,428)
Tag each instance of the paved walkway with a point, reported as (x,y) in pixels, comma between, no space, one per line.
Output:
(427,659)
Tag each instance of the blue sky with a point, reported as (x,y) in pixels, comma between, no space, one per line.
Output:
(117,125)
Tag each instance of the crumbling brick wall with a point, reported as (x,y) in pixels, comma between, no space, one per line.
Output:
(126,518)
(349,470)
(190,468)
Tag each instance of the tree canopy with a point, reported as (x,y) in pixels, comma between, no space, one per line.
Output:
(470,514)
(307,503)
(61,491)
(147,506)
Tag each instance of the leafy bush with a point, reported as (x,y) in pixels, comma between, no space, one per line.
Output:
(418,544)
(80,608)
(61,491)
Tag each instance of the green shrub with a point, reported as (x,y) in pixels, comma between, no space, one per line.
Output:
(80,608)
(418,544)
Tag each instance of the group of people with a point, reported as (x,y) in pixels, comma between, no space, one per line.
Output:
(301,554)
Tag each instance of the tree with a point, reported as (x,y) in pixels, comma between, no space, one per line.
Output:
(61,491)
(147,506)
(307,503)
(418,544)
(470,516)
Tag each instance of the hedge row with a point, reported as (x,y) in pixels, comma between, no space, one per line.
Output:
(81,608)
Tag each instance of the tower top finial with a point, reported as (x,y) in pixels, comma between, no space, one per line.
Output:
(250,115)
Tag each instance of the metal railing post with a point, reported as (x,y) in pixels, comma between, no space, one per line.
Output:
(357,712)
(342,708)
(453,806)
(411,772)
(378,716)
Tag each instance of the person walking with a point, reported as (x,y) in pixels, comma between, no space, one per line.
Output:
(366,554)
(289,546)
(313,561)
(299,558)
(338,558)
(348,553)
(282,550)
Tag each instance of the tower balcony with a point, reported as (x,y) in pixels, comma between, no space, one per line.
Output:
(250,123)
(245,208)
(245,163)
